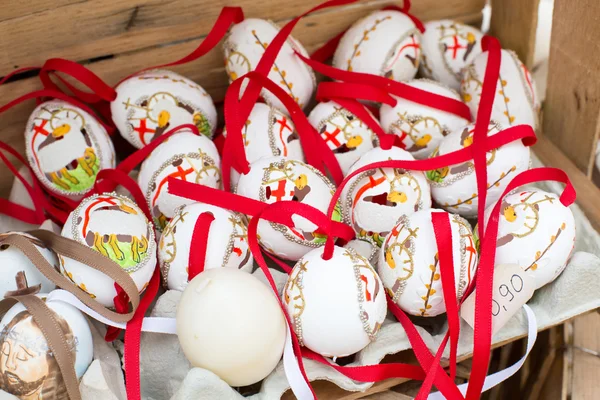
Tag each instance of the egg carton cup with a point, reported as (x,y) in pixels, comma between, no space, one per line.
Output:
(166,373)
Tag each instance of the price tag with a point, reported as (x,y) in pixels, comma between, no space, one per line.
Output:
(513,287)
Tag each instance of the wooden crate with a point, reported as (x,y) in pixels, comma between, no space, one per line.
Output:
(117,37)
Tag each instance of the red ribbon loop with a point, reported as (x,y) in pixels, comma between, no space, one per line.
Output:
(316,151)
(100,90)
(251,207)
(442,103)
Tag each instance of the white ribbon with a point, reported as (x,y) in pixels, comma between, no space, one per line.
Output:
(292,370)
(500,376)
(150,324)
(290,363)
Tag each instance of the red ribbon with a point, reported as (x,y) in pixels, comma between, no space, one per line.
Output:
(199,244)
(315,149)
(102,92)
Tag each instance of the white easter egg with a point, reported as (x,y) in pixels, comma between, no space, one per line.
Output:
(448,46)
(227,244)
(385,43)
(153,102)
(268,133)
(338,305)
(231,323)
(409,263)
(537,232)
(347,136)
(117,228)
(27,365)
(245,45)
(421,128)
(516,101)
(275,179)
(19,275)
(66,147)
(454,188)
(184,156)
(374,200)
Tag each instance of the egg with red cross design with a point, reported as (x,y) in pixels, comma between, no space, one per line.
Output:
(516,101)
(448,46)
(227,245)
(245,45)
(275,179)
(454,188)
(185,156)
(66,147)
(117,228)
(347,136)
(153,102)
(385,43)
(537,232)
(374,200)
(268,133)
(336,306)
(421,128)
(409,262)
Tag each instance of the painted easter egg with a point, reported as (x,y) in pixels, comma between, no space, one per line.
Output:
(409,262)
(228,320)
(275,179)
(375,199)
(364,248)
(448,47)
(28,366)
(66,148)
(117,228)
(268,133)
(421,128)
(347,136)
(454,188)
(19,275)
(227,244)
(537,232)
(385,43)
(335,325)
(184,156)
(245,45)
(516,101)
(153,102)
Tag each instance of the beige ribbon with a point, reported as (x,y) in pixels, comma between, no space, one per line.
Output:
(40,312)
(82,253)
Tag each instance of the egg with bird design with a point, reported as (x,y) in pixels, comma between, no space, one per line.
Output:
(346,135)
(275,179)
(153,102)
(374,200)
(448,47)
(420,128)
(535,231)
(454,188)
(66,147)
(268,133)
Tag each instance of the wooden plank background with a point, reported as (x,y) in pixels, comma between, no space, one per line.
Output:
(129,35)
(572,107)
